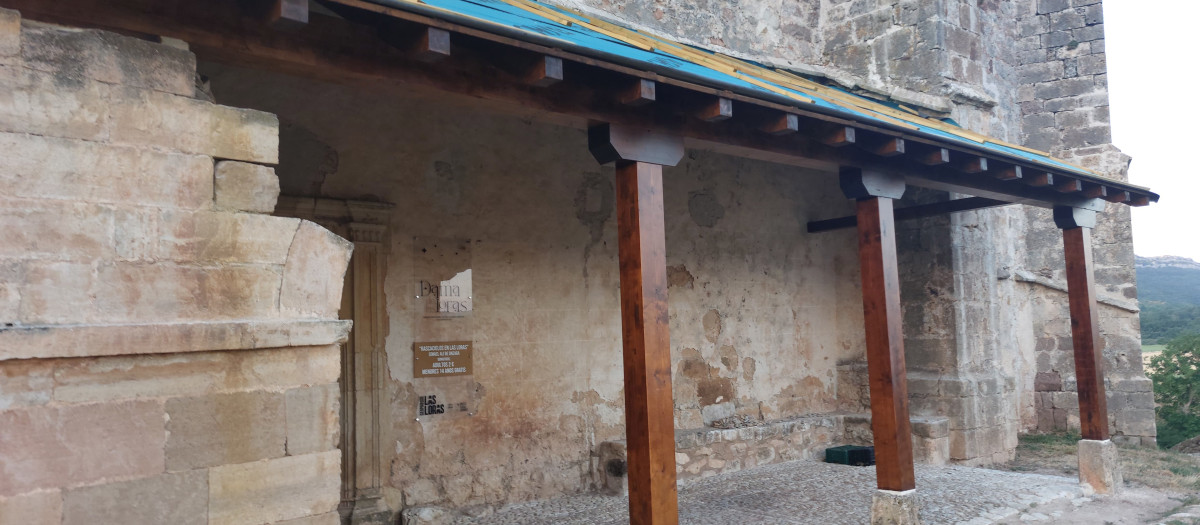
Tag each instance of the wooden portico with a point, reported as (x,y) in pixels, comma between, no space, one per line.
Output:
(640,114)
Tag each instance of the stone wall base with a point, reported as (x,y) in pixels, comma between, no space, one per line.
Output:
(889,507)
(1099,466)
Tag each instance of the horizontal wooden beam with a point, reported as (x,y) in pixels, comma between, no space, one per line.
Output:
(935,157)
(346,50)
(1008,173)
(912,212)
(782,124)
(715,109)
(640,92)
(838,136)
(1040,179)
(545,71)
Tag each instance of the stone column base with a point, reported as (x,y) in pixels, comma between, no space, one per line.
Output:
(1099,467)
(889,507)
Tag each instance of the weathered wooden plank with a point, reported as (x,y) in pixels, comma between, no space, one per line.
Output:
(649,409)
(885,344)
(1085,332)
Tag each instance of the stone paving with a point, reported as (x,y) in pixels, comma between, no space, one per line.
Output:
(810,492)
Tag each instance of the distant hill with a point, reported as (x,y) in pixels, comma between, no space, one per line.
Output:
(1169,293)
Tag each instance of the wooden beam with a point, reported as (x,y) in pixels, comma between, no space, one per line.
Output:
(715,109)
(974,165)
(1140,200)
(545,71)
(935,157)
(1117,196)
(432,45)
(1085,331)
(1008,173)
(919,211)
(1069,186)
(640,92)
(649,409)
(838,136)
(782,124)
(885,344)
(288,15)
(1040,179)
(887,147)
(346,50)
(1094,191)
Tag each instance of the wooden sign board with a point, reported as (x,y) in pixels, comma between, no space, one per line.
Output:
(442,359)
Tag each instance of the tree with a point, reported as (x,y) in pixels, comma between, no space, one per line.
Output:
(1176,376)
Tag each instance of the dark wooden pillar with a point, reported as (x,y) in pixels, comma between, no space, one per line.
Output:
(649,408)
(1077,227)
(881,315)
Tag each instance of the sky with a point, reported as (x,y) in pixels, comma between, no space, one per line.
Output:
(1153,76)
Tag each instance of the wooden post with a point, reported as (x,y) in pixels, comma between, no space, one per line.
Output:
(649,408)
(881,315)
(1077,225)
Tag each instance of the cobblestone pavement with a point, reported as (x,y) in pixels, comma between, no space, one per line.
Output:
(810,492)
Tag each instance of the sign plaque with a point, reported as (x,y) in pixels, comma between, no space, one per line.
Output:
(442,359)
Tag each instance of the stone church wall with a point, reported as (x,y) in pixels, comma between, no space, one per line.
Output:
(168,352)
(761,311)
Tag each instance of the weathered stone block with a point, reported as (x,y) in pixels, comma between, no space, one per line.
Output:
(190,374)
(33,102)
(10,32)
(129,292)
(51,447)
(312,419)
(274,490)
(74,55)
(224,429)
(245,187)
(150,118)
(33,508)
(25,383)
(176,498)
(895,508)
(1099,466)
(148,234)
(314,273)
(55,168)
(64,231)
(56,293)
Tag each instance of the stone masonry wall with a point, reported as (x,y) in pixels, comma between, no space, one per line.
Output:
(168,353)
(1064,106)
(761,311)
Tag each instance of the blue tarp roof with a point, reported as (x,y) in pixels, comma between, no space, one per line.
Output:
(590,36)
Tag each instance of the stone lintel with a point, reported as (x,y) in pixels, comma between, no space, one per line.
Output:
(889,507)
(56,341)
(1099,466)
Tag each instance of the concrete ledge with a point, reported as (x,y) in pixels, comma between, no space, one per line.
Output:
(889,507)
(1099,467)
(55,341)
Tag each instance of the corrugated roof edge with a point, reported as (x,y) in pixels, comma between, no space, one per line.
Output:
(998,148)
